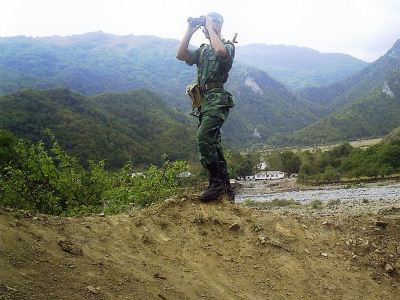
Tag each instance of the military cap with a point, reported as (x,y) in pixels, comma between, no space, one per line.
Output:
(216,17)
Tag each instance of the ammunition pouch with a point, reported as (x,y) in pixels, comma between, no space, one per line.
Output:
(193,91)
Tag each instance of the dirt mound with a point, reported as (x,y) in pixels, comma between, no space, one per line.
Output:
(183,249)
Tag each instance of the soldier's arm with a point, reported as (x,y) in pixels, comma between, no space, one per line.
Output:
(182,51)
(216,42)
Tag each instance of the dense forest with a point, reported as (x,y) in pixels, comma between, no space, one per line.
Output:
(107,112)
(136,126)
(266,111)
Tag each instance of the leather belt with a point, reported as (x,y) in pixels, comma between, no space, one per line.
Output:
(209,86)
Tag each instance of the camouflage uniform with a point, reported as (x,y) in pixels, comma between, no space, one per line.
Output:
(215,106)
(215,103)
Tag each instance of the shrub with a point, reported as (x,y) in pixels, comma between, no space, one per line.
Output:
(54,182)
(315,204)
(333,203)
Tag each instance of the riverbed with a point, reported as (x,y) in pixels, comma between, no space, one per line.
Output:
(372,192)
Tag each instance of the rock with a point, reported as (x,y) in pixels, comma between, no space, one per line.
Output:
(217,222)
(9,288)
(389,268)
(102,214)
(324,254)
(234,227)
(69,247)
(381,224)
(92,289)
(158,276)
(307,251)
(262,239)
(277,243)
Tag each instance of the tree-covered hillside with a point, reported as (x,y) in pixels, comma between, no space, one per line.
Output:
(364,105)
(300,67)
(375,114)
(118,127)
(263,107)
(359,85)
(93,63)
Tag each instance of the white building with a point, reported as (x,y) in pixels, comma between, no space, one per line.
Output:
(269,175)
(275,175)
(250,177)
(260,176)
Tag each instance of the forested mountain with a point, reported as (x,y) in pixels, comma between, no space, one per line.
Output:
(263,107)
(372,115)
(364,105)
(94,63)
(97,62)
(335,96)
(300,67)
(118,127)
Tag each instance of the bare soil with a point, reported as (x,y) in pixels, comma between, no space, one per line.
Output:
(184,249)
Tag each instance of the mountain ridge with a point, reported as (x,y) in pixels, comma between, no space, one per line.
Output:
(300,67)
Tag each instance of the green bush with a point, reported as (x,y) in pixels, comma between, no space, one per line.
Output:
(52,181)
(316,204)
(333,202)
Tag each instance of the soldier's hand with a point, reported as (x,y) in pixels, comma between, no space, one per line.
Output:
(192,28)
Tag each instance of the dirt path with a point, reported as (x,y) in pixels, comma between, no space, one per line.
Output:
(183,249)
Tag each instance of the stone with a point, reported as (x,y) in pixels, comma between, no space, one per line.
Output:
(102,214)
(381,224)
(324,254)
(389,268)
(92,289)
(234,227)
(69,247)
(9,288)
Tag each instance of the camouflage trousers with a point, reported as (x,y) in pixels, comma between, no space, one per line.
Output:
(209,141)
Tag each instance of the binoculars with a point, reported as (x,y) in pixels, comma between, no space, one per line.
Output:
(201,21)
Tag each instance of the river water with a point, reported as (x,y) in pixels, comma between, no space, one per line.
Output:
(387,192)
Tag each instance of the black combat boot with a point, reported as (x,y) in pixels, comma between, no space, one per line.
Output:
(215,188)
(227,184)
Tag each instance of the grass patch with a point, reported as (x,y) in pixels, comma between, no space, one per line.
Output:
(333,203)
(315,204)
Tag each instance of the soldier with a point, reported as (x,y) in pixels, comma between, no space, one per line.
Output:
(213,62)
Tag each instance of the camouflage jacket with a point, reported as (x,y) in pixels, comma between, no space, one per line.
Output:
(212,68)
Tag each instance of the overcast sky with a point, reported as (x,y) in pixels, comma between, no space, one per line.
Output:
(365,29)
